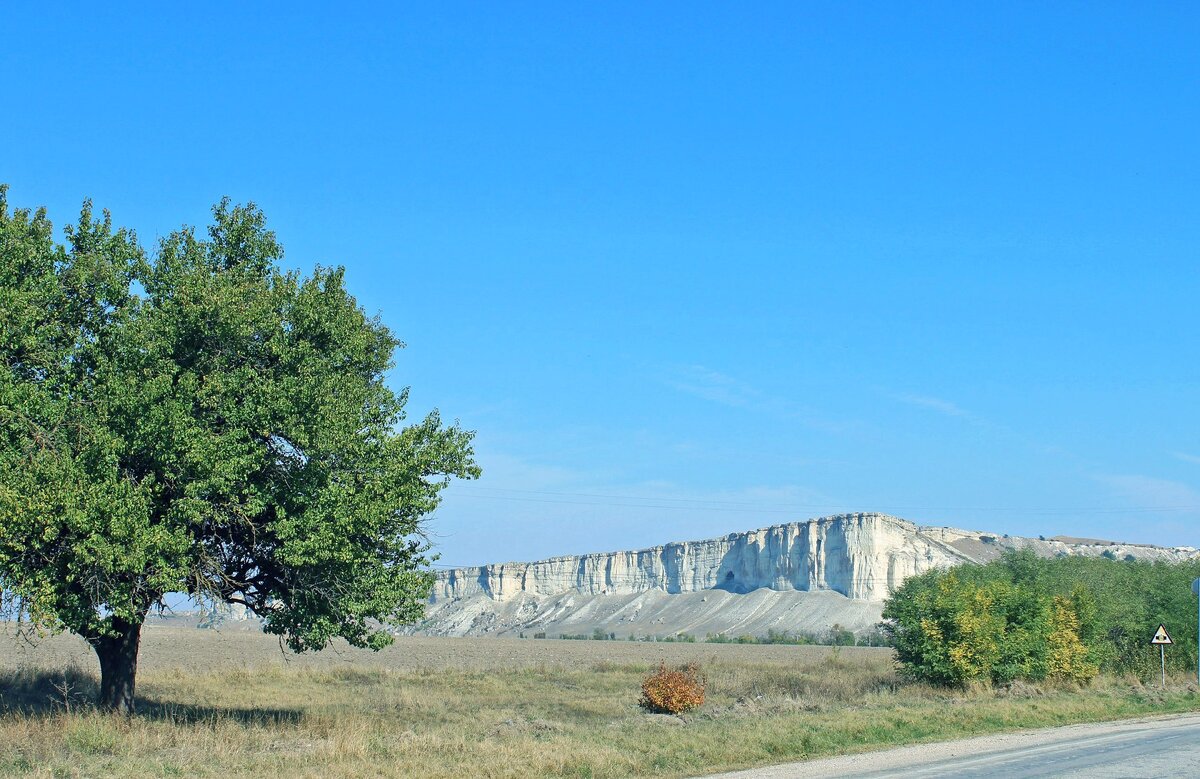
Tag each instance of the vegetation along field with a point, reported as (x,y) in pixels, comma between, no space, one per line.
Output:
(230,703)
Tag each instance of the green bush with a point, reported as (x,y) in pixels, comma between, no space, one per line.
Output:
(1024,617)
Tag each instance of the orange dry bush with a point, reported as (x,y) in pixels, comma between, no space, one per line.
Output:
(673,690)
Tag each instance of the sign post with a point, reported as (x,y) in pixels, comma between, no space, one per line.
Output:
(1162,639)
(1196,592)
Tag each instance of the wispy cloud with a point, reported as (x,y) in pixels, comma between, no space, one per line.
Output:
(713,385)
(1187,458)
(704,382)
(525,510)
(1151,492)
(934,404)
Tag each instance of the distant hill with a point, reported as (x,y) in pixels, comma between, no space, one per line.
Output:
(800,577)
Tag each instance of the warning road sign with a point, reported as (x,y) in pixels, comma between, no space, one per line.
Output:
(1160,636)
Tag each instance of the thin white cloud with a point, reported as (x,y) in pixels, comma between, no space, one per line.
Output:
(704,382)
(1151,492)
(713,385)
(524,510)
(1187,458)
(934,404)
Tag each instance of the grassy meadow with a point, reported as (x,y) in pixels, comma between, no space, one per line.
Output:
(496,708)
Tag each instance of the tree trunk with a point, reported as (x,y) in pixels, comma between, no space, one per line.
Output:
(118,655)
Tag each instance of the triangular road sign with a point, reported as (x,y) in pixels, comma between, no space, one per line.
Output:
(1160,636)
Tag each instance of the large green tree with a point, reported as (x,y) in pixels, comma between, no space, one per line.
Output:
(201,421)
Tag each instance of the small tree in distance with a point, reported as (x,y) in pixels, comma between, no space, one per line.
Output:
(203,422)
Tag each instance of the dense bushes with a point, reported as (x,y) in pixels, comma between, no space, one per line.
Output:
(836,635)
(1023,617)
(673,690)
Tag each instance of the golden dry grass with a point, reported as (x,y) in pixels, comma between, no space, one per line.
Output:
(439,710)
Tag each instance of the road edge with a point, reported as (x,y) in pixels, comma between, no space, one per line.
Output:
(896,758)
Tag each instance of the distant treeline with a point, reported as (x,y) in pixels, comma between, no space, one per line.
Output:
(835,636)
(1025,617)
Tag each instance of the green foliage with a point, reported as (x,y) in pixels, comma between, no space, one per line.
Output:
(1068,656)
(720,637)
(773,637)
(678,638)
(1024,617)
(201,421)
(835,636)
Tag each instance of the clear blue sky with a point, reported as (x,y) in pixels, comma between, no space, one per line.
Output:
(690,268)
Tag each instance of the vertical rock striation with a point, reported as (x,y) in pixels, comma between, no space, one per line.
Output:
(860,556)
(803,576)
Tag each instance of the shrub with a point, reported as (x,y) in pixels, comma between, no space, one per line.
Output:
(839,636)
(1024,617)
(1068,658)
(673,690)
(954,631)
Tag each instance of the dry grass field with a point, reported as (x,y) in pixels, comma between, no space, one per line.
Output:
(232,704)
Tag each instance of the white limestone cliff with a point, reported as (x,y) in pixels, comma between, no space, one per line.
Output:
(856,560)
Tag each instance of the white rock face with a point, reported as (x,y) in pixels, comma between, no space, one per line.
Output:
(861,556)
(853,560)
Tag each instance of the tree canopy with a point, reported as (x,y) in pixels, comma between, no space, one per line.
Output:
(1025,617)
(201,421)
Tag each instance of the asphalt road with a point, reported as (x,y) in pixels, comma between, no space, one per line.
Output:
(1156,747)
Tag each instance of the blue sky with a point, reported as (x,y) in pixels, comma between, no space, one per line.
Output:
(696,268)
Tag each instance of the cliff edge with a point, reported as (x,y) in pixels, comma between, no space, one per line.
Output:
(800,576)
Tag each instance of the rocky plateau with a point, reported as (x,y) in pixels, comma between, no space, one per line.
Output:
(801,577)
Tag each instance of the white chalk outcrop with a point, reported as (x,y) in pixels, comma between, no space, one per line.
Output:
(801,576)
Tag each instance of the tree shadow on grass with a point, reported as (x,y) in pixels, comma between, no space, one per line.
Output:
(39,692)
